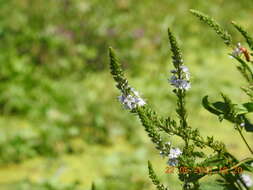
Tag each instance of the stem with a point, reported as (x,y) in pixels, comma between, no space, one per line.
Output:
(243,138)
(239,185)
(182,114)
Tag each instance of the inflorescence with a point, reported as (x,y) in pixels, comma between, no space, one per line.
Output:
(173,156)
(131,100)
(180,78)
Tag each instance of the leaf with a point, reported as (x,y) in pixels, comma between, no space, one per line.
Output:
(245,34)
(240,109)
(224,111)
(213,161)
(154,178)
(214,25)
(244,67)
(210,107)
(248,106)
(248,126)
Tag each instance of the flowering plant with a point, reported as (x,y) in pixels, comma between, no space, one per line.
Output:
(192,156)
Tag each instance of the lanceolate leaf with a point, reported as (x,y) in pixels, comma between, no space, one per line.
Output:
(245,34)
(248,106)
(245,67)
(210,107)
(214,25)
(230,112)
(248,126)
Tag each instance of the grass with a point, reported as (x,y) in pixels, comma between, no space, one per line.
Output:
(115,164)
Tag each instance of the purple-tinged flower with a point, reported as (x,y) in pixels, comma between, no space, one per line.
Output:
(237,50)
(182,82)
(174,153)
(131,101)
(247,180)
(173,156)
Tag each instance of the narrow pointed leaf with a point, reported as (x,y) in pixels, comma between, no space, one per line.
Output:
(245,34)
(209,106)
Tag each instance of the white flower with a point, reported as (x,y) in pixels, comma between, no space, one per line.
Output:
(174,153)
(242,124)
(183,84)
(184,69)
(180,83)
(131,101)
(135,92)
(237,51)
(140,102)
(247,180)
(128,101)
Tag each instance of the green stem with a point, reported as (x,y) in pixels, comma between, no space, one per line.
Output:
(182,114)
(243,138)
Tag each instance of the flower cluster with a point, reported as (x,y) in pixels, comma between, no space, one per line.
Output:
(131,101)
(173,156)
(182,82)
(237,51)
(247,180)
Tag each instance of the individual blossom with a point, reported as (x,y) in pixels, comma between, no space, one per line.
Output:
(173,156)
(174,153)
(185,71)
(180,83)
(131,101)
(247,180)
(242,124)
(237,51)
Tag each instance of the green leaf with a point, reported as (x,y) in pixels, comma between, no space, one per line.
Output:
(239,109)
(154,178)
(229,111)
(214,25)
(212,161)
(248,106)
(210,107)
(248,126)
(220,106)
(245,69)
(245,34)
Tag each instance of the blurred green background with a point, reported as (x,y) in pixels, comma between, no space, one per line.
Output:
(61,126)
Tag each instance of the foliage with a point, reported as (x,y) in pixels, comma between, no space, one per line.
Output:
(192,156)
(56,91)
